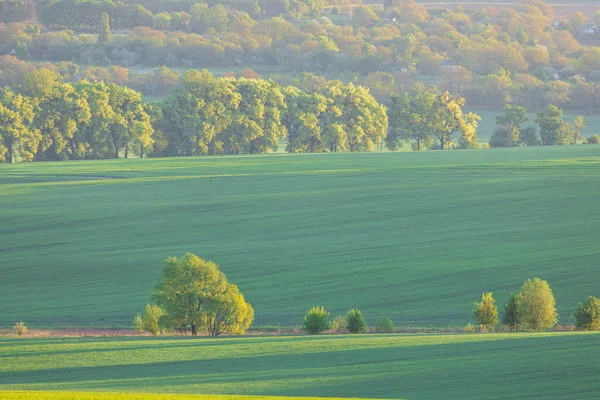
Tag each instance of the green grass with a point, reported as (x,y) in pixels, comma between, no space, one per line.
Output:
(413,236)
(509,366)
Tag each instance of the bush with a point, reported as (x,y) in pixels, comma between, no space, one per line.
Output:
(485,312)
(355,321)
(316,320)
(587,315)
(536,306)
(469,328)
(152,319)
(595,139)
(338,324)
(138,323)
(20,328)
(385,325)
(335,10)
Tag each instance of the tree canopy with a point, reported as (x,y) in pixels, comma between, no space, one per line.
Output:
(194,293)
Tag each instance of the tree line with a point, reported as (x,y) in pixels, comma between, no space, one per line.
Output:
(44,119)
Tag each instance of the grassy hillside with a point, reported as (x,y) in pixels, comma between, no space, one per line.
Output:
(413,236)
(504,366)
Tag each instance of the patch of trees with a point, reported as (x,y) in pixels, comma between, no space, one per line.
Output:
(553,129)
(50,121)
(429,120)
(534,308)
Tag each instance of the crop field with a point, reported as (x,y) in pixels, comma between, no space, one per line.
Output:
(413,236)
(503,366)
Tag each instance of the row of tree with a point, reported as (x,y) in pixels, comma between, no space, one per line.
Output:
(44,119)
(534,308)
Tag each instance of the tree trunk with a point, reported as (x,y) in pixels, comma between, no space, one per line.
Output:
(126,151)
(9,153)
(442,142)
(193,329)
(116,144)
(418,144)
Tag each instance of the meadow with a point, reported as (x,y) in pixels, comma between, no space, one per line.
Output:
(503,366)
(413,236)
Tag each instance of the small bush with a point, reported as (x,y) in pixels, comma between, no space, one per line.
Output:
(587,315)
(355,321)
(595,139)
(138,323)
(385,325)
(335,10)
(151,319)
(20,328)
(316,320)
(470,328)
(338,324)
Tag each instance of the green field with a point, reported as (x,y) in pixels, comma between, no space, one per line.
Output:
(414,236)
(499,366)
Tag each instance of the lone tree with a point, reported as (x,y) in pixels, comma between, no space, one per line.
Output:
(355,321)
(511,316)
(104,35)
(536,306)
(485,312)
(194,293)
(587,315)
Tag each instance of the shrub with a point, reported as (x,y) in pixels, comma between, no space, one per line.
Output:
(385,325)
(338,324)
(355,321)
(152,319)
(20,328)
(510,317)
(587,315)
(316,320)
(138,323)
(335,10)
(469,328)
(536,306)
(595,139)
(485,312)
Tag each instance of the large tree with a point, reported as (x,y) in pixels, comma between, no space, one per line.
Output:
(198,112)
(353,120)
(553,128)
(195,294)
(536,305)
(508,132)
